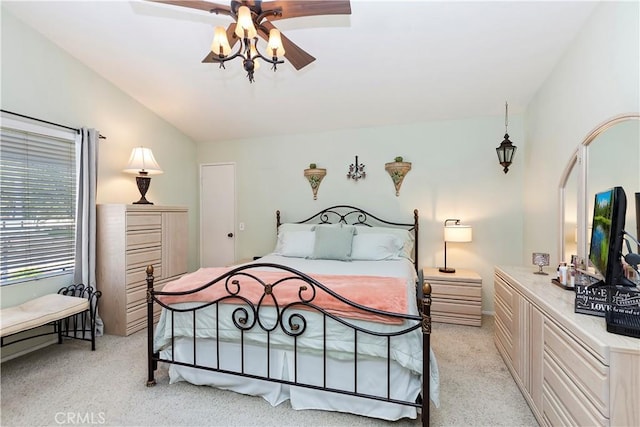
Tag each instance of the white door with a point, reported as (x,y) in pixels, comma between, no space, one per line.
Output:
(217,214)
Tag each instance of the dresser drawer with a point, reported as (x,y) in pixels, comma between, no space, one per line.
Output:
(503,331)
(505,294)
(141,323)
(143,239)
(143,221)
(562,401)
(137,319)
(143,257)
(138,276)
(583,373)
(137,297)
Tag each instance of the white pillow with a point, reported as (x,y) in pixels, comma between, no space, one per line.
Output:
(288,226)
(406,237)
(375,247)
(298,244)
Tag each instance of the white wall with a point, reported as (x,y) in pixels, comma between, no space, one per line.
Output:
(455,171)
(41,80)
(596,80)
(455,174)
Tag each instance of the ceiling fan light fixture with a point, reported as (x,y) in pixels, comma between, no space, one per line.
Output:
(245,27)
(275,46)
(252,21)
(220,45)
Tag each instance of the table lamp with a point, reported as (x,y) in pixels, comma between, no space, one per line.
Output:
(144,164)
(454,232)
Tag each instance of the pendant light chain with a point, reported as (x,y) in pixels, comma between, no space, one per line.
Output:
(506,116)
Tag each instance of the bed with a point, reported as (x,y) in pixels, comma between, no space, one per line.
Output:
(332,319)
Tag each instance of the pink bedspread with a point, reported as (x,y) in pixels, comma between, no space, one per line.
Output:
(382,293)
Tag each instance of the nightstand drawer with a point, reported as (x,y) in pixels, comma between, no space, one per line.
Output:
(463,292)
(455,297)
(455,307)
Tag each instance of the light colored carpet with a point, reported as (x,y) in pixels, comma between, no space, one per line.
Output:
(70,385)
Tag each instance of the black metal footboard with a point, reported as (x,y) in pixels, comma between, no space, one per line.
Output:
(291,320)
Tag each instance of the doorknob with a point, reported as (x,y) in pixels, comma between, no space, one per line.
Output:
(230,235)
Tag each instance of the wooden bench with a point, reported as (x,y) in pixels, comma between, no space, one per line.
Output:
(71,312)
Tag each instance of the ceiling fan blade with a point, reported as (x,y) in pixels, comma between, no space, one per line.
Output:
(294,53)
(298,8)
(231,36)
(198,4)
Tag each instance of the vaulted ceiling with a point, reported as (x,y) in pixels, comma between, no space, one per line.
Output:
(389,62)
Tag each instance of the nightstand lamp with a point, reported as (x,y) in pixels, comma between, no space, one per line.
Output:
(454,232)
(143,163)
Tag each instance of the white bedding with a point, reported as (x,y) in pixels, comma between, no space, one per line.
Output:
(406,352)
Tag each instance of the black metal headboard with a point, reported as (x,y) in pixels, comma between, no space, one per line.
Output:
(351,215)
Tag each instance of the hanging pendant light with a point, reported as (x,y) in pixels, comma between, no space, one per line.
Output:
(506,150)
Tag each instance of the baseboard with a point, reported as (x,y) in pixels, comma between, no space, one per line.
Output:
(27,350)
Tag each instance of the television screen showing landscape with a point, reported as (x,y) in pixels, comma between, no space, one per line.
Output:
(602,212)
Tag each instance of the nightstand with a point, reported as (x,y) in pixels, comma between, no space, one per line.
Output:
(456,297)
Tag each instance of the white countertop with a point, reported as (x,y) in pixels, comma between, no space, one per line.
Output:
(558,304)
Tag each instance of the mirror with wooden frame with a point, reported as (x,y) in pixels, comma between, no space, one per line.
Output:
(609,156)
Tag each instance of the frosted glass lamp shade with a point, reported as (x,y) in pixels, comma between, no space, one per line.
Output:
(274,47)
(142,162)
(220,45)
(245,27)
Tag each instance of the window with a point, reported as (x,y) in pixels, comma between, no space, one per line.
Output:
(37,201)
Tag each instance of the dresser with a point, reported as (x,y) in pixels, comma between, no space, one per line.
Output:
(568,367)
(456,297)
(130,237)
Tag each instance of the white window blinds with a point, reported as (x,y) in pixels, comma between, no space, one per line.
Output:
(37,205)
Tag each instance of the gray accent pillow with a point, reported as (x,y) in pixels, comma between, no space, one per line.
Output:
(333,242)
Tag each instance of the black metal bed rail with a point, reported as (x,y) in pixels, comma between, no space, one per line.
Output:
(292,322)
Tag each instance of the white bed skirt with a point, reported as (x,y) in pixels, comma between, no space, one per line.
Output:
(406,385)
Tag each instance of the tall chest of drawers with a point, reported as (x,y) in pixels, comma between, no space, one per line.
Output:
(130,237)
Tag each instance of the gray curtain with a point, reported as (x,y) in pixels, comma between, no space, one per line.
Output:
(87,173)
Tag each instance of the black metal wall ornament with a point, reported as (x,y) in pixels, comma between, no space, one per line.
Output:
(356,171)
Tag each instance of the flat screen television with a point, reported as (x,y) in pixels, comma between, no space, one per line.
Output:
(607,235)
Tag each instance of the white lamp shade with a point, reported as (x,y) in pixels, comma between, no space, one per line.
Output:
(458,233)
(245,23)
(141,161)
